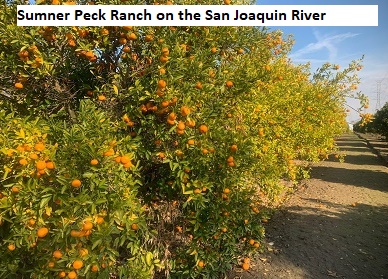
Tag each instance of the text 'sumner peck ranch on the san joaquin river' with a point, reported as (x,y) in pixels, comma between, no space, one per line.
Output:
(116,15)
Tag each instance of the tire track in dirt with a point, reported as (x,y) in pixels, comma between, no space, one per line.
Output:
(334,226)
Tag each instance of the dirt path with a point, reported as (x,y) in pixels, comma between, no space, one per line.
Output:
(334,226)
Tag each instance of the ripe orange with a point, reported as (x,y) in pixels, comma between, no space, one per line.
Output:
(51,264)
(42,232)
(15,189)
(62,274)
(33,156)
(181,125)
(87,226)
(190,123)
(41,172)
(201,264)
(132,37)
(31,222)
(213,49)
(165,51)
(94,268)
(19,85)
(198,85)
(162,84)
(127,28)
(118,159)
(94,162)
(75,233)
(203,129)
(122,41)
(76,183)
(128,165)
(227,2)
(72,275)
(20,148)
(83,252)
(23,54)
(163,59)
(125,159)
(71,43)
(148,38)
(191,142)
(41,165)
(185,111)
(165,103)
(100,220)
(23,162)
(27,147)
(233,148)
(101,98)
(251,242)
(172,116)
(104,32)
(11,247)
(77,264)
(89,54)
(229,84)
(197,191)
(39,146)
(57,254)
(245,266)
(171,121)
(134,227)
(50,165)
(173,100)
(246,260)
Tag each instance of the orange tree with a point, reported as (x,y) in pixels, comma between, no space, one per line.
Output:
(146,152)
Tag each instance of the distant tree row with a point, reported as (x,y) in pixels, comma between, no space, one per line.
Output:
(379,123)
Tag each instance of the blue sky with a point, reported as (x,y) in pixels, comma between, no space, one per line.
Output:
(341,45)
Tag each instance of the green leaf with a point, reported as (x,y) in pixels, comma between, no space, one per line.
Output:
(148,258)
(87,175)
(45,200)
(115,89)
(96,243)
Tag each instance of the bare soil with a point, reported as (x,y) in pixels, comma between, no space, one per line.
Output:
(334,226)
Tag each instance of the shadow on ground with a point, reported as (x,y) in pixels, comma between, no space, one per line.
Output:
(334,226)
(312,242)
(355,177)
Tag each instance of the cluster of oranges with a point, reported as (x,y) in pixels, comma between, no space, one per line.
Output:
(165,55)
(48,33)
(28,154)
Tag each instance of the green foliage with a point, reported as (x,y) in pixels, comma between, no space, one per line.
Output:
(179,136)
(108,190)
(377,123)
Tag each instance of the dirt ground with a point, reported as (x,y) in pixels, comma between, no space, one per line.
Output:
(334,226)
